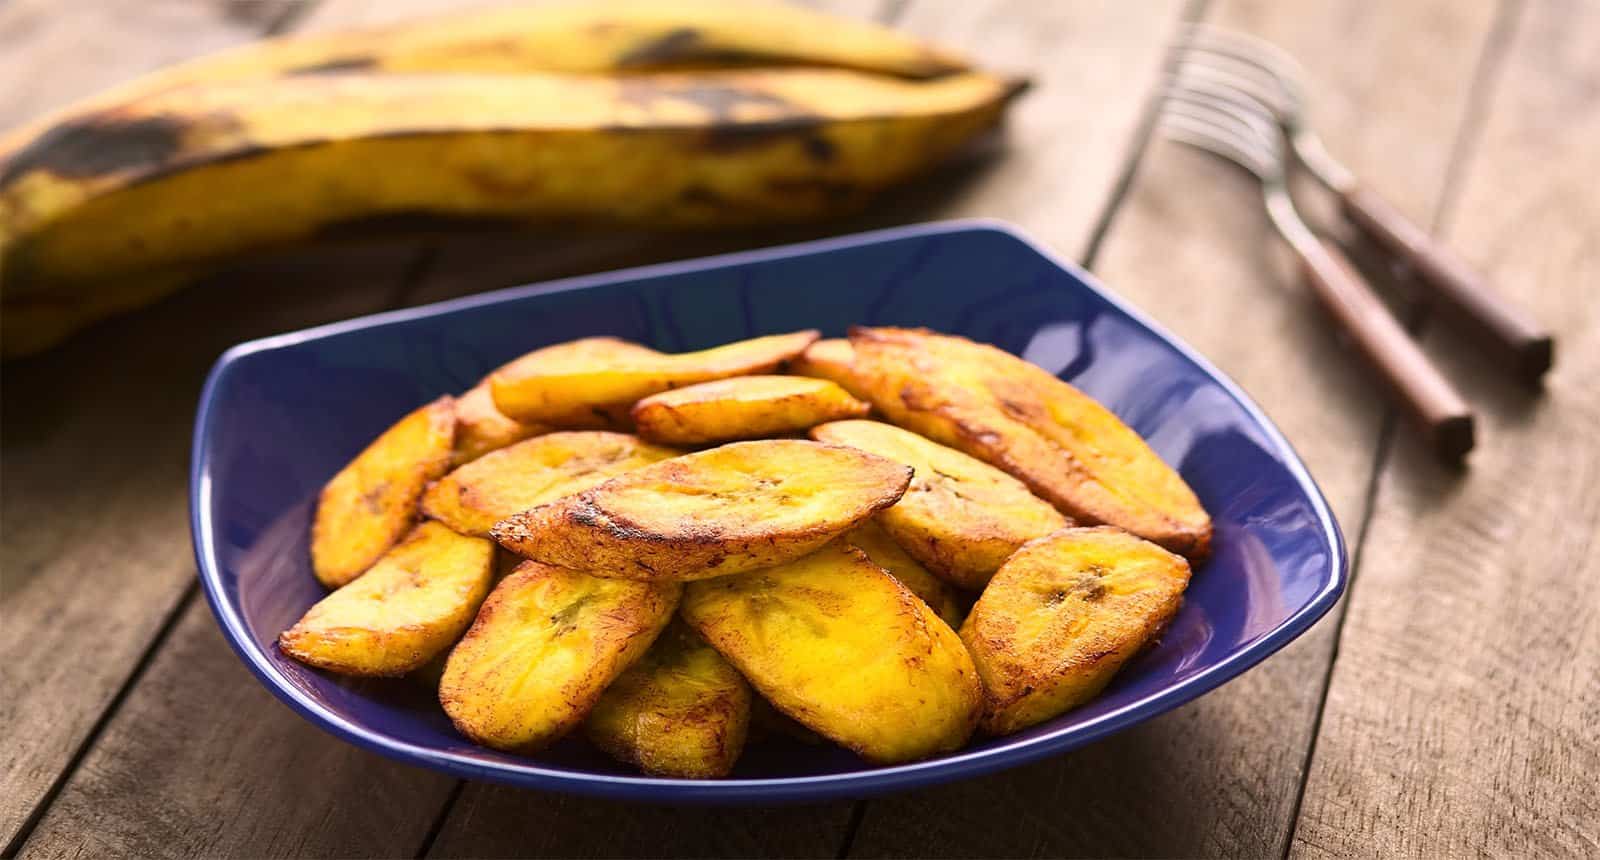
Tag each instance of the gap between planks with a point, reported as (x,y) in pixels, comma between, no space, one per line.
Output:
(1491,64)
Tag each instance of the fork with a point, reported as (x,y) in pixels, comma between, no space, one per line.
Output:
(1270,77)
(1243,130)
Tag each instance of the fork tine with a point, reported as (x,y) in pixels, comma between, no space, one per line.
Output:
(1231,109)
(1223,133)
(1205,137)
(1261,88)
(1244,105)
(1248,50)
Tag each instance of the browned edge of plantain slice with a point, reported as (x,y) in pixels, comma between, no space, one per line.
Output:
(1066,447)
(740,507)
(1063,615)
(838,644)
(372,502)
(545,645)
(403,612)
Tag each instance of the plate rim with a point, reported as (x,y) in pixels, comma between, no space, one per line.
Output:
(850,784)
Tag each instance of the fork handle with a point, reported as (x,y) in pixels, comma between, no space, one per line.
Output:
(1431,400)
(1512,333)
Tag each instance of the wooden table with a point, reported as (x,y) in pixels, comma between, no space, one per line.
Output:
(1449,707)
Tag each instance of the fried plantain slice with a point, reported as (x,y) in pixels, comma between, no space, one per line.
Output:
(961,517)
(681,710)
(532,472)
(881,550)
(372,502)
(739,507)
(838,644)
(1063,615)
(559,384)
(831,359)
(742,407)
(1070,450)
(409,607)
(544,647)
(481,428)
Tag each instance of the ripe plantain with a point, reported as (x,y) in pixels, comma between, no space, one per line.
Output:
(961,517)
(531,473)
(544,647)
(839,645)
(586,38)
(372,502)
(408,609)
(132,186)
(830,359)
(573,412)
(731,509)
(681,710)
(578,381)
(1063,615)
(742,407)
(881,550)
(1070,450)
(481,428)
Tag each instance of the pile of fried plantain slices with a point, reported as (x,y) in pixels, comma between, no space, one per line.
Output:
(985,558)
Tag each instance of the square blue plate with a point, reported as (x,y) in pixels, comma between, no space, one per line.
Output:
(279,416)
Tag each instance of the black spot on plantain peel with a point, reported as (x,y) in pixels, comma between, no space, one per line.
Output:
(337,65)
(98,145)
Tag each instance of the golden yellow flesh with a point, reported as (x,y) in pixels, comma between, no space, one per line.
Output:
(532,472)
(481,428)
(961,517)
(407,609)
(372,502)
(681,710)
(544,647)
(731,509)
(742,407)
(881,550)
(839,645)
(617,37)
(830,359)
(1063,615)
(577,413)
(1070,450)
(557,384)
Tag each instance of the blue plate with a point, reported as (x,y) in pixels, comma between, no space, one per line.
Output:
(279,416)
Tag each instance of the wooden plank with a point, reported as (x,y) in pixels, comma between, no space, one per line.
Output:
(203,762)
(1220,777)
(71,448)
(500,822)
(1094,65)
(1461,716)
(53,52)
(96,432)
(96,544)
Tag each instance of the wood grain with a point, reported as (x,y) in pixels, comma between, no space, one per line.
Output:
(203,762)
(1220,777)
(53,52)
(94,446)
(1461,716)
(492,821)
(94,497)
